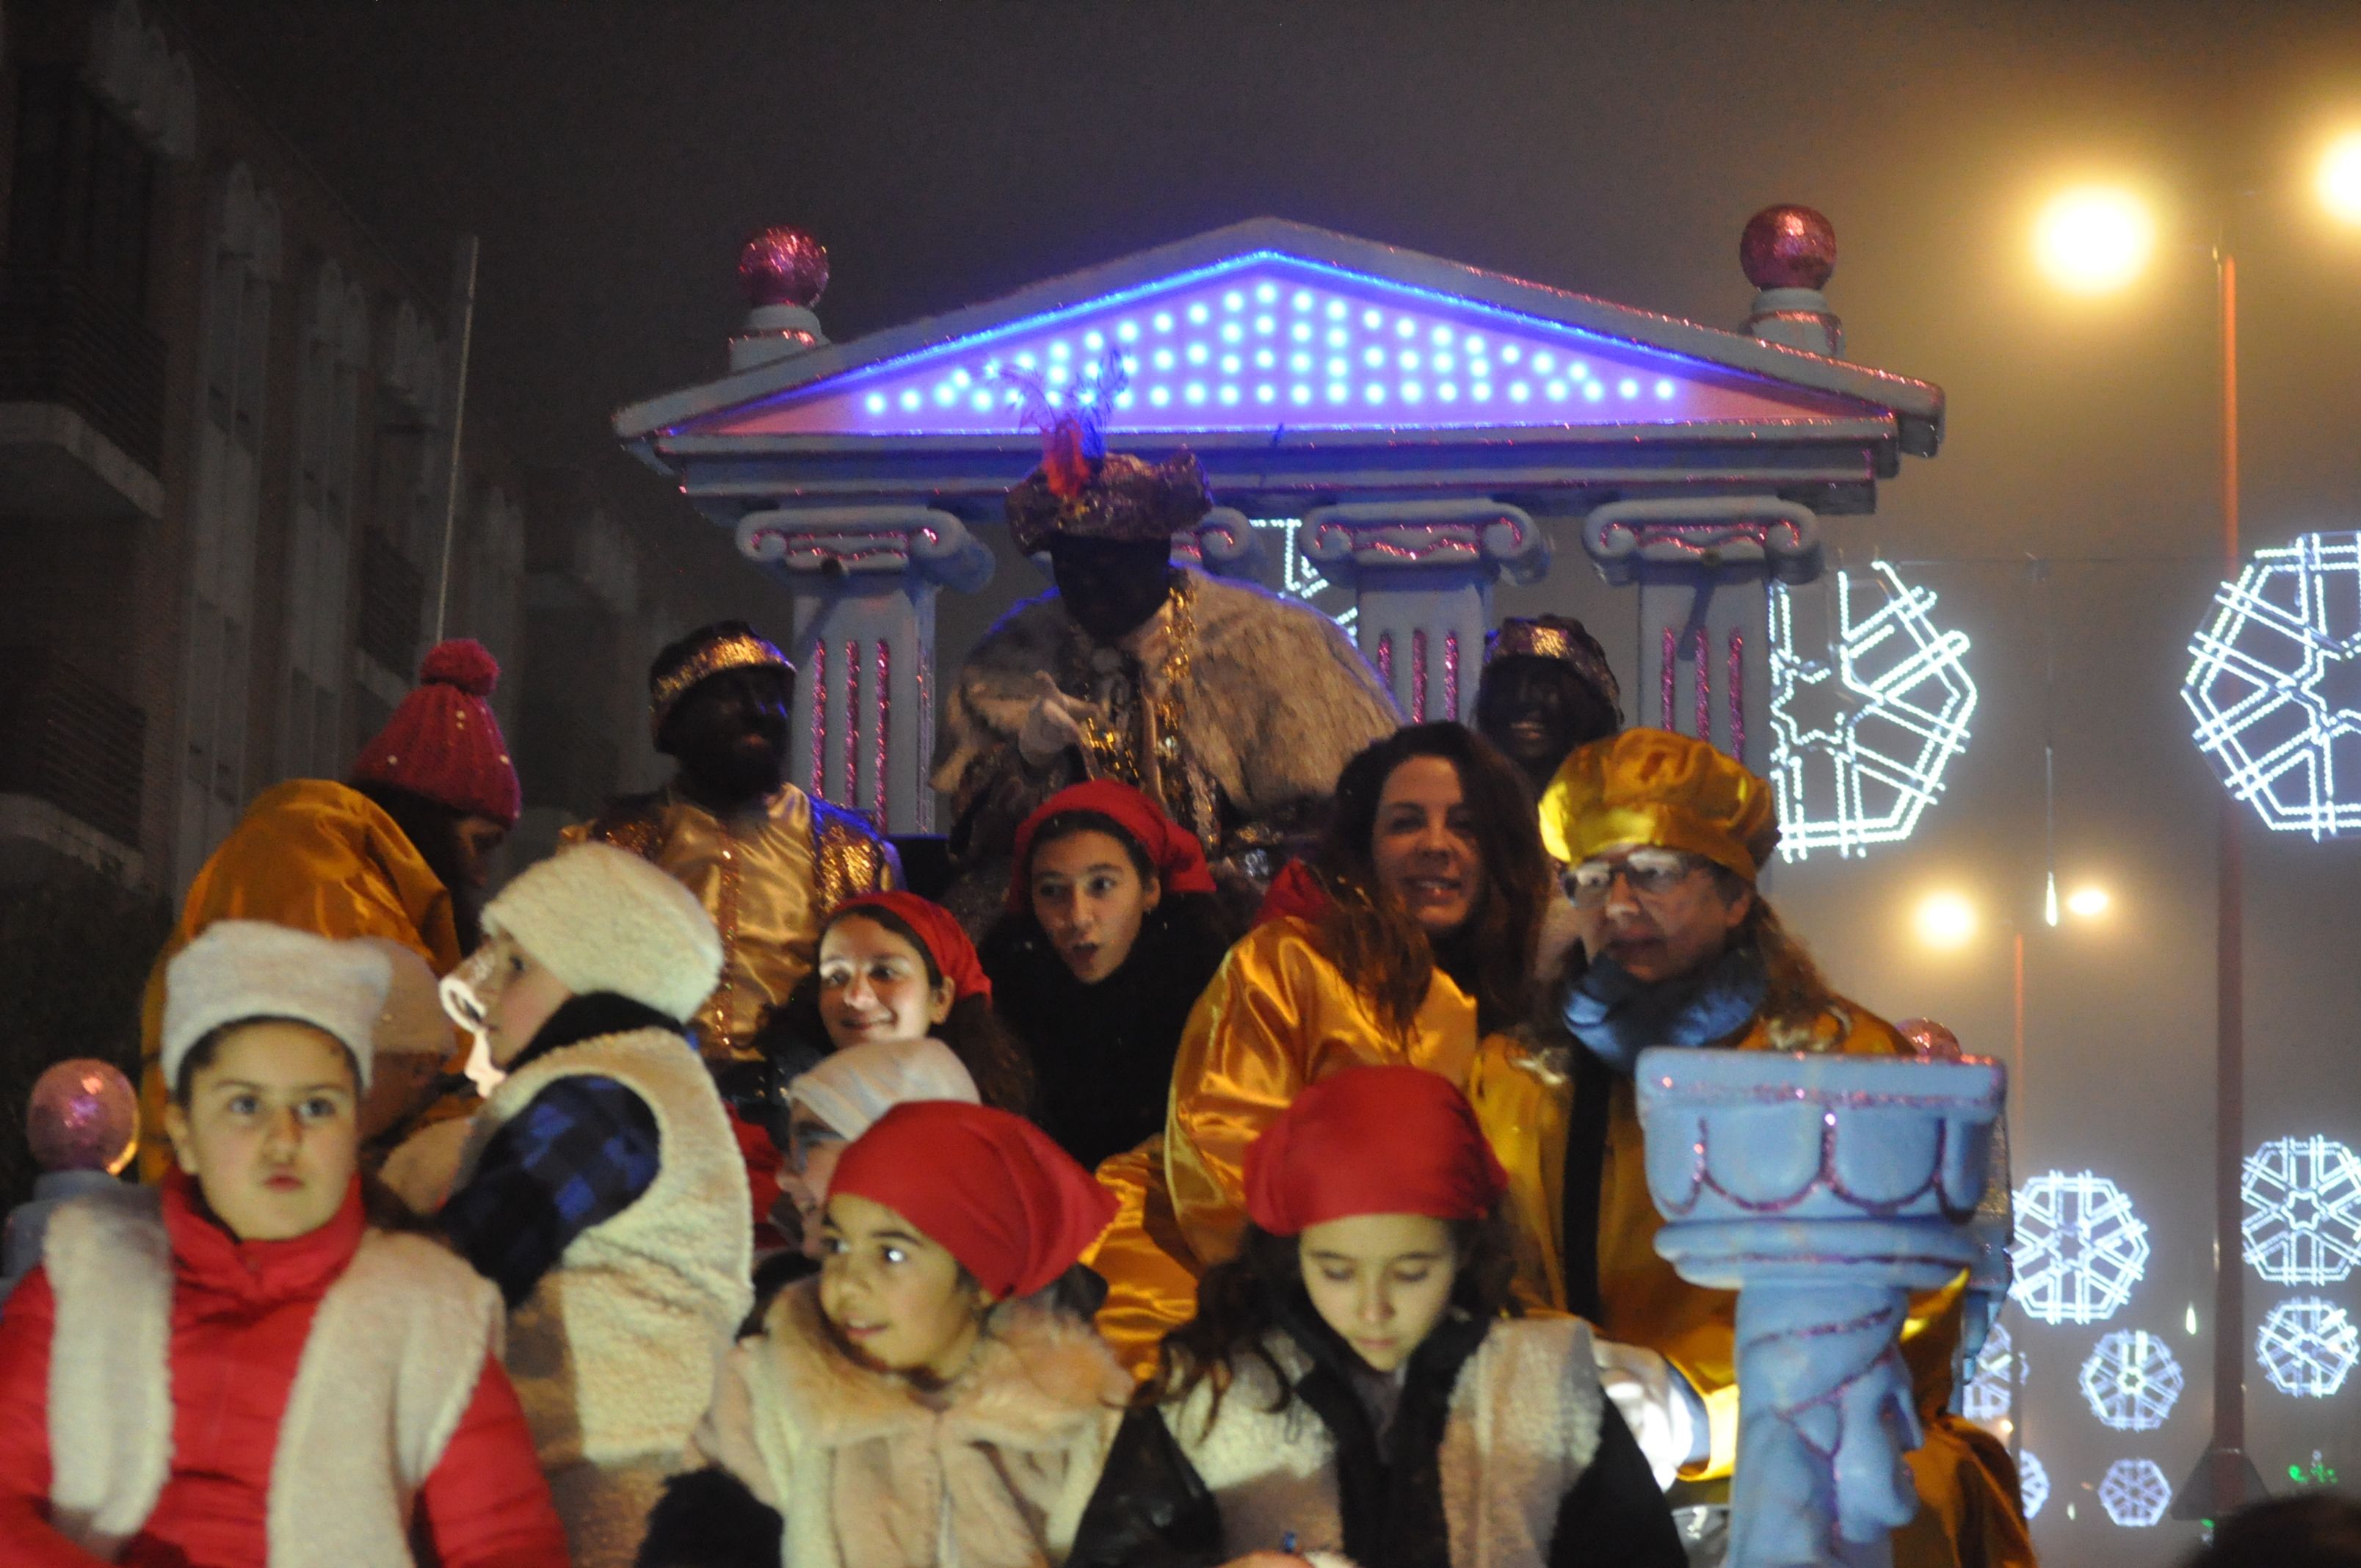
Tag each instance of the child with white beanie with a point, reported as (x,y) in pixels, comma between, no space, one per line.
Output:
(234,1367)
(601,1187)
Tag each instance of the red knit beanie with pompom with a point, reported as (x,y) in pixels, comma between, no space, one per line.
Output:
(443,742)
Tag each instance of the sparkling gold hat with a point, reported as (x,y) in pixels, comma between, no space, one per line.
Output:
(732,645)
(1653,787)
(1560,638)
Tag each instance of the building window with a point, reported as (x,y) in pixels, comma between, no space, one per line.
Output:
(320,567)
(81,205)
(241,272)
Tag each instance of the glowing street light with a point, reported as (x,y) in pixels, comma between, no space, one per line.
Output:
(2094,239)
(2088,902)
(2338,184)
(1945,920)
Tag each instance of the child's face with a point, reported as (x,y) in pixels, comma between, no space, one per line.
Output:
(270,1130)
(517,994)
(814,1147)
(873,986)
(1381,1281)
(895,1297)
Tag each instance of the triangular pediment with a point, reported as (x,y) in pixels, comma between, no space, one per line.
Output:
(1272,325)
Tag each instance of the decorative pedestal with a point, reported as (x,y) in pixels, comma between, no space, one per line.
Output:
(864,580)
(1704,568)
(1423,574)
(1824,1189)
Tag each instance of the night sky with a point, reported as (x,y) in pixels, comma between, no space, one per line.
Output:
(611,155)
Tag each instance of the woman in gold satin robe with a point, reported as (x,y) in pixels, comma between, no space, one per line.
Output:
(1665,837)
(1406,939)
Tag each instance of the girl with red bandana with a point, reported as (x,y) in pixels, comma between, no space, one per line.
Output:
(1348,1387)
(937,1395)
(1111,932)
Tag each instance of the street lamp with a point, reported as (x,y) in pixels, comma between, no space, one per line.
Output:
(2091,241)
(2094,239)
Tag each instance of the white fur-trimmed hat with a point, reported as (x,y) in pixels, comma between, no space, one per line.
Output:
(237,970)
(600,918)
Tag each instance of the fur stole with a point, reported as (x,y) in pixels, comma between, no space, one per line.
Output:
(1278,698)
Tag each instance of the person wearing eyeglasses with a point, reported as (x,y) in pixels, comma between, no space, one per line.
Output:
(1665,837)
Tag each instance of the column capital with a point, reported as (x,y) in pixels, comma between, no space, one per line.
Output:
(1490,538)
(1730,538)
(837,541)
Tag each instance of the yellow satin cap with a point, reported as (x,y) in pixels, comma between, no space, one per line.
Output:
(1654,787)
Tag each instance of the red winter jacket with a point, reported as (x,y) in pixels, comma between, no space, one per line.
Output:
(241,1313)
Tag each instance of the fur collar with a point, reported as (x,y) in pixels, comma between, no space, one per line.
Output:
(1039,1380)
(1279,698)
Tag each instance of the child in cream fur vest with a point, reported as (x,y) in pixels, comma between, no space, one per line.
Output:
(932,1397)
(600,1187)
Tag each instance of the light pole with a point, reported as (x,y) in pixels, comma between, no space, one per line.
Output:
(2091,241)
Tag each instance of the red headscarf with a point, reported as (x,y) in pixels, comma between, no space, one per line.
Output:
(1372,1140)
(937,931)
(1296,893)
(1172,849)
(988,1187)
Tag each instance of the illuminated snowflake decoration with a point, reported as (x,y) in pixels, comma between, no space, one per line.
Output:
(1993,1386)
(2032,1482)
(1863,722)
(2131,1381)
(1298,580)
(2303,1210)
(2134,1492)
(2079,1248)
(2307,1348)
(2274,684)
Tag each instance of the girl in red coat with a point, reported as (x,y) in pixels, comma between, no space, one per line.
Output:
(235,1371)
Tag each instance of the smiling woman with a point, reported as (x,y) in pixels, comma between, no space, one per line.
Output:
(1407,938)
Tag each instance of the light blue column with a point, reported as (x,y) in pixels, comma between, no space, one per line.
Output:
(1824,1189)
(864,580)
(1422,572)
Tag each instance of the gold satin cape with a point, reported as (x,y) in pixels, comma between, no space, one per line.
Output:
(320,857)
(1970,1516)
(768,876)
(1276,1017)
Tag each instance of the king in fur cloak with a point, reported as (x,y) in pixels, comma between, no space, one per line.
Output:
(1233,708)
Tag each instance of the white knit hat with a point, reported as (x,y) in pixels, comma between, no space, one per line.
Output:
(602,919)
(852,1087)
(237,970)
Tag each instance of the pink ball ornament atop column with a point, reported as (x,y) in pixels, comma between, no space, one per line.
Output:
(784,271)
(783,265)
(83,1115)
(1788,246)
(1789,253)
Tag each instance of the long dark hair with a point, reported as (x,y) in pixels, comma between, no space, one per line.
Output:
(1239,1303)
(1182,914)
(432,830)
(993,1057)
(1369,935)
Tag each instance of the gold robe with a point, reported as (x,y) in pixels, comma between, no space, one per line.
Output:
(1971,1515)
(768,876)
(320,857)
(1277,1016)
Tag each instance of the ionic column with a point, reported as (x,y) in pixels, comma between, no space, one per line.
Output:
(1824,1189)
(1704,566)
(1422,572)
(864,580)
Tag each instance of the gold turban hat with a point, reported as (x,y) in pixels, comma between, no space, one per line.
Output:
(1654,787)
